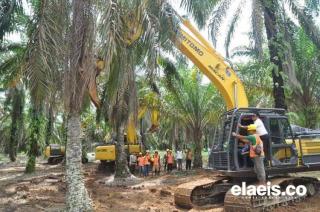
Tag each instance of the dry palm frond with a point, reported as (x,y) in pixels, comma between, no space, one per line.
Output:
(82,62)
(45,48)
(111,27)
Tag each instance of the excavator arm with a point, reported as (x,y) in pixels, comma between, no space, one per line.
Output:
(202,54)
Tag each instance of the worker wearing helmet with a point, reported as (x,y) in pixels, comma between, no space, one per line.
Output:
(156,163)
(147,163)
(170,161)
(256,151)
(141,164)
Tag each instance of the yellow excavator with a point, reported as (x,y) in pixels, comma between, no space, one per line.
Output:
(106,153)
(286,152)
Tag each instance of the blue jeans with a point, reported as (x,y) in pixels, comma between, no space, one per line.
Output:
(146,170)
(246,148)
(141,170)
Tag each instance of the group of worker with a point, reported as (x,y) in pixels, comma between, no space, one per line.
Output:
(147,163)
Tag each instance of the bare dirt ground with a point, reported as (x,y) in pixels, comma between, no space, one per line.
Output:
(45,191)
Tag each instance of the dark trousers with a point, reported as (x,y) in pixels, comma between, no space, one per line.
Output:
(266,145)
(170,165)
(132,168)
(179,164)
(188,164)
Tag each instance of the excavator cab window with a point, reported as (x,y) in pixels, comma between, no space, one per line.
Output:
(282,151)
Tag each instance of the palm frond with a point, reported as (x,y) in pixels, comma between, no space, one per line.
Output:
(110,30)
(232,27)
(218,17)
(306,21)
(45,49)
(8,11)
(199,9)
(82,63)
(313,6)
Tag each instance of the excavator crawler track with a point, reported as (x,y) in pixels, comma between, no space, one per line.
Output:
(201,192)
(245,203)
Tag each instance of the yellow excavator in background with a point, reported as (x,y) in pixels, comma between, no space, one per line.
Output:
(106,153)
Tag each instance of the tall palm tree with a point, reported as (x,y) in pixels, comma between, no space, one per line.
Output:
(80,72)
(11,56)
(16,95)
(132,37)
(42,65)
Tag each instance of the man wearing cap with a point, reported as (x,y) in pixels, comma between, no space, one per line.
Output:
(261,131)
(256,151)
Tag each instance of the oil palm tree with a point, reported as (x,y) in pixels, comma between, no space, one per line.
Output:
(133,32)
(80,71)
(305,98)
(194,104)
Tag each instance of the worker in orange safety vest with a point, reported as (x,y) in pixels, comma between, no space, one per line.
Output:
(147,159)
(170,160)
(156,163)
(141,164)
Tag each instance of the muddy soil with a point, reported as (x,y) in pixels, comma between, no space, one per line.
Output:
(45,191)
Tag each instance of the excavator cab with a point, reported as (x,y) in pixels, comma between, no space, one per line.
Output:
(284,152)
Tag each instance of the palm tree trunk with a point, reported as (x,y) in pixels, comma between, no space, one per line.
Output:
(49,127)
(270,7)
(197,163)
(35,136)
(77,198)
(122,170)
(16,117)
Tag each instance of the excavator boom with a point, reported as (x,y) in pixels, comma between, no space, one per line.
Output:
(213,65)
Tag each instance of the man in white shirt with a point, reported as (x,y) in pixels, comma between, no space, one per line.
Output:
(179,159)
(261,131)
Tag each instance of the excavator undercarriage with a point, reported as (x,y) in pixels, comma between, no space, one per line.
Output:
(217,190)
